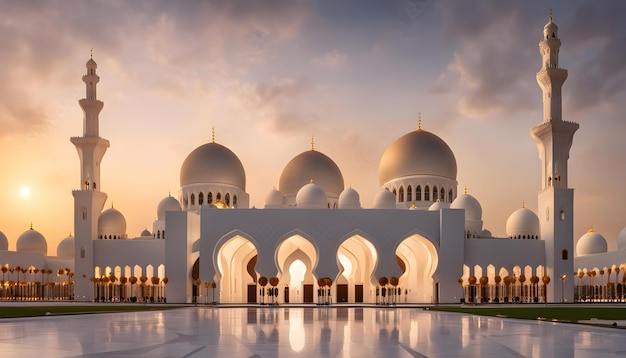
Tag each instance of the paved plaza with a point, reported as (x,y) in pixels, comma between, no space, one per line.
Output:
(301,331)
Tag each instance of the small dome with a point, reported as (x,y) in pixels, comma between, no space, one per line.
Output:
(311,196)
(473,210)
(349,199)
(591,243)
(91,63)
(32,241)
(438,205)
(213,163)
(417,153)
(146,233)
(621,239)
(112,223)
(4,242)
(65,249)
(168,203)
(384,199)
(307,166)
(274,199)
(551,30)
(486,233)
(523,223)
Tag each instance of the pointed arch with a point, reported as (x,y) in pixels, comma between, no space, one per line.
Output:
(421,260)
(231,259)
(361,255)
(297,246)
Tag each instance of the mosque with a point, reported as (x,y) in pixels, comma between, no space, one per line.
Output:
(420,242)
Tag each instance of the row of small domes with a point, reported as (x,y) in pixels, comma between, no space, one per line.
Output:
(34,242)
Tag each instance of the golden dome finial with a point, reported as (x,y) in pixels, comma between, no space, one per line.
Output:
(523,204)
(91,53)
(112,206)
(312,142)
(591,229)
(419,121)
(213,135)
(311,181)
(550,15)
(465,192)
(31,225)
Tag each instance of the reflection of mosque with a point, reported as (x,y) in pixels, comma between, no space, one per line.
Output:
(313,242)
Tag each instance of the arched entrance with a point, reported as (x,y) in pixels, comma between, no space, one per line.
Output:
(357,258)
(296,256)
(418,258)
(235,259)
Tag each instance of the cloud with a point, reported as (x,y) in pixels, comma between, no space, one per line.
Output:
(44,38)
(488,71)
(331,60)
(279,102)
(600,39)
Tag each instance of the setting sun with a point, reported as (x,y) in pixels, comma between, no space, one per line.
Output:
(25,191)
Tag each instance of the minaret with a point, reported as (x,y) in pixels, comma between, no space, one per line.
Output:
(555,200)
(88,200)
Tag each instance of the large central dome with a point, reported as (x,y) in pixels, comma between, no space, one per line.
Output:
(213,163)
(417,153)
(307,166)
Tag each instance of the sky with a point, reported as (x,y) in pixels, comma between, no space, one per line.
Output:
(269,74)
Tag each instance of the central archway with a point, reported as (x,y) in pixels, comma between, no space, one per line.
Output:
(296,250)
(418,260)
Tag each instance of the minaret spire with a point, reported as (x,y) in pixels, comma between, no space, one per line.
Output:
(555,140)
(90,146)
(551,77)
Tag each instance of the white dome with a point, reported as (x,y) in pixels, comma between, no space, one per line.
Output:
(274,199)
(112,223)
(307,166)
(213,163)
(523,223)
(621,239)
(145,233)
(473,210)
(65,249)
(417,153)
(486,233)
(311,196)
(4,242)
(168,203)
(591,243)
(384,199)
(349,199)
(438,205)
(32,241)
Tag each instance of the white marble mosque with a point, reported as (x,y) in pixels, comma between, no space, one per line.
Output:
(421,241)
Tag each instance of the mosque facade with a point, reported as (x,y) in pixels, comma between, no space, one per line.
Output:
(420,242)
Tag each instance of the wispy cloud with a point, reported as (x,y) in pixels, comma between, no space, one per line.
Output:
(331,60)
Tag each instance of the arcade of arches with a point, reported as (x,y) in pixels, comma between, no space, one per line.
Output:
(296,257)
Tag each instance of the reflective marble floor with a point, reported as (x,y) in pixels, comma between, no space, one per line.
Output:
(296,331)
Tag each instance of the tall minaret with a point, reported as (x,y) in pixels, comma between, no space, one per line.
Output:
(555,201)
(88,200)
